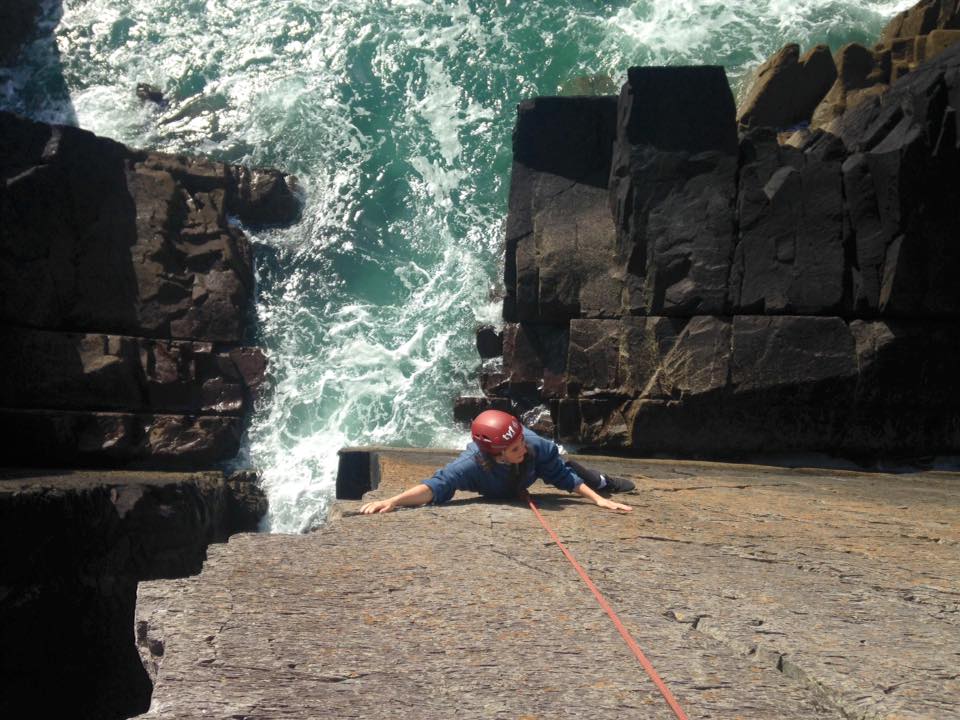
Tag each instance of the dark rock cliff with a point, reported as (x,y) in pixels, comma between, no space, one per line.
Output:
(73,547)
(722,295)
(17,18)
(125,296)
(125,302)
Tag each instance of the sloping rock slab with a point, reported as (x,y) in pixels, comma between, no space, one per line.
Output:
(756,592)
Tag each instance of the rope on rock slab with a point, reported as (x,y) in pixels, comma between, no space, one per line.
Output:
(624,633)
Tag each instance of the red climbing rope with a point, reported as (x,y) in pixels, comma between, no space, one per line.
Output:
(624,633)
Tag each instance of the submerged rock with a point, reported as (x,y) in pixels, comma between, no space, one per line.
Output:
(150,93)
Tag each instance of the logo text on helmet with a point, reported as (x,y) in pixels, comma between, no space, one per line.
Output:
(511,431)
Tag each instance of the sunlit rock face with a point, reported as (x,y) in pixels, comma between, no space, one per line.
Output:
(726,294)
(125,299)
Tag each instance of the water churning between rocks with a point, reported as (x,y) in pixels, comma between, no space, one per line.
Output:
(396,117)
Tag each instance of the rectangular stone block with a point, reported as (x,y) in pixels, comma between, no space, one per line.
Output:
(645,342)
(593,422)
(560,238)
(535,356)
(593,356)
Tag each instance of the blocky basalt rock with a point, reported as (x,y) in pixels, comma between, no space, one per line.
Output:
(915,36)
(789,255)
(535,356)
(465,409)
(773,298)
(560,238)
(263,196)
(89,438)
(72,371)
(672,187)
(489,342)
(861,74)
(104,239)
(125,297)
(903,199)
(921,19)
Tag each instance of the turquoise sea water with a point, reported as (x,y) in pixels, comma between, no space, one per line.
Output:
(396,117)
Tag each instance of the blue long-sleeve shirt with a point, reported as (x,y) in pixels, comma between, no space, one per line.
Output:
(465,473)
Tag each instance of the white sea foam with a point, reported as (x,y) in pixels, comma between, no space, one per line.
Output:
(396,116)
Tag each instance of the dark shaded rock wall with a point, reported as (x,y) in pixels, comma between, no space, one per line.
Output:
(125,296)
(726,295)
(125,301)
(73,546)
(17,24)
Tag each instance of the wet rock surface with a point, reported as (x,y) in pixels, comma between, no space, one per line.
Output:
(756,592)
(73,545)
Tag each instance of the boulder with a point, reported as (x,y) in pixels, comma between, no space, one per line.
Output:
(263,196)
(489,342)
(150,93)
(861,74)
(788,88)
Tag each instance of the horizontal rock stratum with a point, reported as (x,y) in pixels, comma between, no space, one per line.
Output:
(757,593)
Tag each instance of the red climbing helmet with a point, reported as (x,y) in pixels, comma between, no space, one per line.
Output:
(494,430)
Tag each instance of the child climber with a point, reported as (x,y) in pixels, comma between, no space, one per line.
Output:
(503,460)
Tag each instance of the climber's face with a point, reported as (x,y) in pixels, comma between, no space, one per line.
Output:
(515,452)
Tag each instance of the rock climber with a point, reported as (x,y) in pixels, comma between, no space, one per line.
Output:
(504,460)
